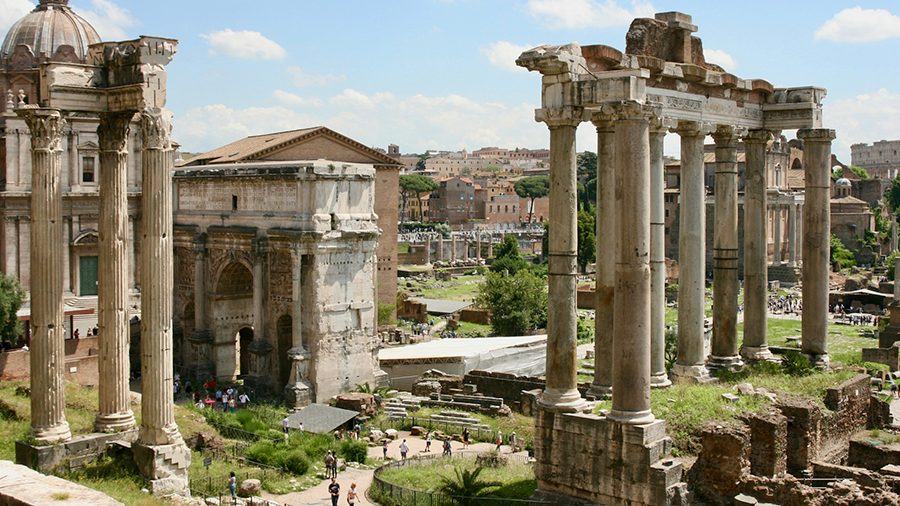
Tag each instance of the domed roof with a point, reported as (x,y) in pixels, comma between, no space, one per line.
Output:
(843,182)
(49,31)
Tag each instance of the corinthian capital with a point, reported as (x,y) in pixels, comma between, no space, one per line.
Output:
(113,131)
(562,116)
(631,110)
(156,128)
(46,127)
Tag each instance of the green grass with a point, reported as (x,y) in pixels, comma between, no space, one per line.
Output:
(463,288)
(521,424)
(517,479)
(470,329)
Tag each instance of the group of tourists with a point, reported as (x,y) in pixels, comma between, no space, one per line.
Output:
(228,400)
(785,304)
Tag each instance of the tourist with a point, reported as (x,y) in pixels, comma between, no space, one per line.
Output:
(209,402)
(188,388)
(428,441)
(513,442)
(77,334)
(300,427)
(465,438)
(245,400)
(232,404)
(404,448)
(329,464)
(285,425)
(893,388)
(232,486)
(499,439)
(448,451)
(335,490)
(95,330)
(351,495)
(384,448)
(200,405)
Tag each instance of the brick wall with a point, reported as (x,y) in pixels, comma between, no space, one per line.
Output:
(869,456)
(887,356)
(81,362)
(768,444)
(803,433)
(849,403)
(723,464)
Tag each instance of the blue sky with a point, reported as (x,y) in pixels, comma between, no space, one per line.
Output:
(439,74)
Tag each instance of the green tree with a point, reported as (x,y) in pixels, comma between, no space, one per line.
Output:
(859,171)
(11,297)
(533,187)
(518,302)
(892,196)
(507,258)
(840,253)
(414,185)
(466,486)
(587,238)
(587,164)
(420,165)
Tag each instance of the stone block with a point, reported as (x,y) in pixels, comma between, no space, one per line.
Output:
(164,466)
(249,487)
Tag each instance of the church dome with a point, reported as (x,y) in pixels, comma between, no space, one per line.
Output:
(50,32)
(843,182)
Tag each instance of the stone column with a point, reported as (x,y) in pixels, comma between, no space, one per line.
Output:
(47,355)
(756,343)
(161,456)
(690,365)
(894,236)
(800,232)
(452,247)
(260,348)
(465,248)
(658,376)
(112,301)
(297,392)
(427,249)
(601,386)
(478,245)
(440,248)
(778,236)
(816,241)
(561,393)
(724,353)
(201,338)
(491,245)
(631,320)
(792,234)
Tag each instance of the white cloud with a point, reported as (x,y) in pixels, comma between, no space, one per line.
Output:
(415,122)
(291,99)
(587,13)
(12,11)
(860,25)
(302,78)
(244,44)
(863,118)
(503,54)
(721,58)
(110,20)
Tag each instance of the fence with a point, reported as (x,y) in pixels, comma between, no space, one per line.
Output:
(213,484)
(394,495)
(475,433)
(240,434)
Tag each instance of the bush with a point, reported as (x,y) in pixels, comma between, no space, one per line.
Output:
(263,452)
(354,451)
(295,461)
(795,364)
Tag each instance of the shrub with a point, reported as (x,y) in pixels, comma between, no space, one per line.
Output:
(262,452)
(354,451)
(295,461)
(795,364)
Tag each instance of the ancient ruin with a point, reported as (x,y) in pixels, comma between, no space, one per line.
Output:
(117,82)
(660,83)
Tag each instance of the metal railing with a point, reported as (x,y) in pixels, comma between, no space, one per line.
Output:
(212,485)
(389,494)
(240,434)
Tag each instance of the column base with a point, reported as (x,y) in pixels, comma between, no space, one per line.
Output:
(114,422)
(596,392)
(561,401)
(819,361)
(298,395)
(757,354)
(631,417)
(731,363)
(165,467)
(685,374)
(52,434)
(660,380)
(262,386)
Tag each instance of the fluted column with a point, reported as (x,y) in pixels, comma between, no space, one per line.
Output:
(601,386)
(561,393)
(756,344)
(658,376)
(201,339)
(724,351)
(296,392)
(157,406)
(112,301)
(631,320)
(816,241)
(776,207)
(260,348)
(47,355)
(690,365)
(792,234)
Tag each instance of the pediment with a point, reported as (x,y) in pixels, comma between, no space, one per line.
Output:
(326,144)
(88,146)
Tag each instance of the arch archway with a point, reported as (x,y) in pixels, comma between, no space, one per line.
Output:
(243,337)
(231,314)
(284,330)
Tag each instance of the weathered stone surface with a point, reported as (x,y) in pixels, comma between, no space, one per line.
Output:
(249,487)
(22,486)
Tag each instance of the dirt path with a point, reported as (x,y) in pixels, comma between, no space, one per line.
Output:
(318,495)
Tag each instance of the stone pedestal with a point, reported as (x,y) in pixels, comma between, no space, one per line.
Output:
(47,369)
(299,392)
(816,242)
(164,466)
(202,368)
(259,379)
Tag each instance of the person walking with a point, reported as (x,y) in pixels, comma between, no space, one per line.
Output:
(232,486)
(285,425)
(465,438)
(335,490)
(384,448)
(428,441)
(404,448)
(351,494)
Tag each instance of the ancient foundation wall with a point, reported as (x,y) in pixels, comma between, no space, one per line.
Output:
(81,363)
(480,316)
(887,356)
(849,405)
(872,456)
(415,256)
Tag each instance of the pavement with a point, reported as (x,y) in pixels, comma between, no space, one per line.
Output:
(319,496)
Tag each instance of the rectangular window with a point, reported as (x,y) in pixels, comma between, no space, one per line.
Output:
(87,169)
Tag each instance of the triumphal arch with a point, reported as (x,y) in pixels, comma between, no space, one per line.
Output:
(660,84)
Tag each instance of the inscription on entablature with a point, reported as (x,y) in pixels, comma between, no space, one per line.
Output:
(252,196)
(682,103)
